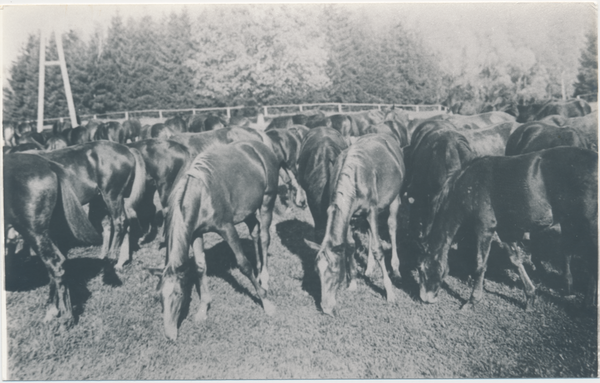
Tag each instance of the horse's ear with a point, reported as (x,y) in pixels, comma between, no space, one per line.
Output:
(312,245)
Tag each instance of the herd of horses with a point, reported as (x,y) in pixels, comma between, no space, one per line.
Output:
(498,177)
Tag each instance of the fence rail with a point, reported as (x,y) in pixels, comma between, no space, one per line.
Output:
(268,111)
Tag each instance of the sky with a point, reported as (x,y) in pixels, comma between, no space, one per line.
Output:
(442,25)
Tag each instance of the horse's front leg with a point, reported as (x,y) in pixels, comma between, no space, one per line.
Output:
(202,282)
(484,243)
(255,234)
(375,245)
(230,235)
(351,270)
(393,224)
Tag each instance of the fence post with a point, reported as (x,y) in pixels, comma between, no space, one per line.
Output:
(417,109)
(265,111)
(300,108)
(228,113)
(339,108)
(160,114)
(126,115)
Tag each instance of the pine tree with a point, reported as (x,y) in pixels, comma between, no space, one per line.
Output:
(587,79)
(20,97)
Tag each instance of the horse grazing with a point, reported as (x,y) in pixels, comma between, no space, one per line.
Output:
(286,147)
(176,124)
(490,141)
(507,196)
(39,202)
(224,186)
(320,148)
(164,159)
(111,178)
(535,136)
(436,151)
(366,180)
(198,142)
(133,129)
(478,121)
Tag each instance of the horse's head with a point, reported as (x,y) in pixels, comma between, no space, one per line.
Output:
(431,275)
(299,196)
(174,290)
(330,265)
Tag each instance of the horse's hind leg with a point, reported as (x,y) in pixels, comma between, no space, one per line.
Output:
(202,283)
(393,224)
(59,298)
(98,216)
(261,261)
(375,245)
(265,217)
(517,260)
(484,243)
(229,233)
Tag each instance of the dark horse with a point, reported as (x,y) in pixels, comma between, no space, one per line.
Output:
(320,148)
(286,146)
(436,151)
(198,142)
(367,180)
(38,199)
(110,131)
(507,196)
(535,136)
(110,177)
(224,186)
(164,159)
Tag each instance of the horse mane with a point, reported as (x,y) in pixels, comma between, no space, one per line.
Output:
(345,178)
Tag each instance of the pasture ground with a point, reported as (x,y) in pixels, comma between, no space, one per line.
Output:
(119,334)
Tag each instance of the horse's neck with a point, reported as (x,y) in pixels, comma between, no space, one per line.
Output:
(446,223)
(337,225)
(179,228)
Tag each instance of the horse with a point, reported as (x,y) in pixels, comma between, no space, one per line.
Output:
(286,147)
(564,108)
(224,186)
(159,131)
(436,151)
(39,202)
(111,131)
(56,142)
(176,124)
(133,129)
(164,159)
(490,141)
(29,146)
(320,148)
(479,121)
(110,177)
(392,128)
(198,142)
(31,137)
(587,126)
(535,136)
(504,197)
(367,179)
(285,122)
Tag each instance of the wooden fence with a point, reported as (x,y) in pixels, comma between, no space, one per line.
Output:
(268,111)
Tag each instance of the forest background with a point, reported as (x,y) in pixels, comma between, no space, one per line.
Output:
(254,55)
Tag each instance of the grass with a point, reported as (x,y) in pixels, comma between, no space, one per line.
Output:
(119,333)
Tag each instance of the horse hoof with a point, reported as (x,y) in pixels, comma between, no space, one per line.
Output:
(352,286)
(391,298)
(269,307)
(201,316)
(51,314)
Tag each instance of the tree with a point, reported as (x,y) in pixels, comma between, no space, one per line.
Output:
(20,97)
(587,78)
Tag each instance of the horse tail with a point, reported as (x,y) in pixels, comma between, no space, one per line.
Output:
(76,218)
(139,180)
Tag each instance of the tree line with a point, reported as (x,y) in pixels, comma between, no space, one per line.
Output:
(276,54)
